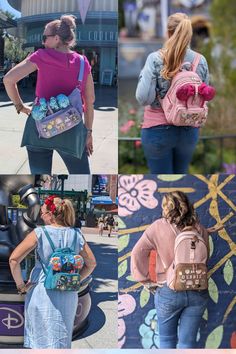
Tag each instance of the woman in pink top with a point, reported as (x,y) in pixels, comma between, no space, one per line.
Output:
(168,148)
(179,313)
(58,70)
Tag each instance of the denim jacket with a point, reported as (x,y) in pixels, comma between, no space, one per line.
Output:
(152,84)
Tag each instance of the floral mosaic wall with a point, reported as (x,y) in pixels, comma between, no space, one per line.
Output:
(214,197)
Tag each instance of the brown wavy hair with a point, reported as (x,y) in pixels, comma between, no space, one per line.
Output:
(64,28)
(180,33)
(64,213)
(180,211)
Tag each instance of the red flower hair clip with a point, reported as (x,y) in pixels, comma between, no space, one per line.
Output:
(50,203)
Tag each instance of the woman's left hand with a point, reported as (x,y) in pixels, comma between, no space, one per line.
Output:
(89,144)
(26,109)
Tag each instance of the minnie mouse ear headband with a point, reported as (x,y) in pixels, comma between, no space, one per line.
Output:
(49,201)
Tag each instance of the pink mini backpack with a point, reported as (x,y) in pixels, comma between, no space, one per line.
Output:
(185,102)
(188,271)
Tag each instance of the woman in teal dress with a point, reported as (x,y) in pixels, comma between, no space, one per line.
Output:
(50,314)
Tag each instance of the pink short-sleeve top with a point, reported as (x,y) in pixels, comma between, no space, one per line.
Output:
(57,72)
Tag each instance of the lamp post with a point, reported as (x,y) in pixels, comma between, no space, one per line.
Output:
(62,178)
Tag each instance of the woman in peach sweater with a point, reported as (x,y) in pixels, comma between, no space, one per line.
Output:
(178,312)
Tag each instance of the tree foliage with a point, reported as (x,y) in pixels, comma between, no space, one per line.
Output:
(13,49)
(220,52)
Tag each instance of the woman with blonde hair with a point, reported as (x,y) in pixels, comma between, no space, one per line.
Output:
(60,71)
(50,314)
(168,148)
(179,313)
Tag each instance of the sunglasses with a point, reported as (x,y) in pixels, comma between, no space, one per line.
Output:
(45,36)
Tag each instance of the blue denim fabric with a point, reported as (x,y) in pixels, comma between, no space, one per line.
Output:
(40,161)
(169,149)
(179,315)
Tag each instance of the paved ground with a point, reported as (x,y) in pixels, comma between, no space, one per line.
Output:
(102,330)
(13,159)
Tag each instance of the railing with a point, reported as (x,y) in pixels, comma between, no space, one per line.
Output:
(219,139)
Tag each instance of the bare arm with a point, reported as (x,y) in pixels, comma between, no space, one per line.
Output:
(12,77)
(19,253)
(89,261)
(89,98)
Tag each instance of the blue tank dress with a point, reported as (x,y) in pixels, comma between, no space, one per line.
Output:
(50,314)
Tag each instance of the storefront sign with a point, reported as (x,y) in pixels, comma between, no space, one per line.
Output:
(86,33)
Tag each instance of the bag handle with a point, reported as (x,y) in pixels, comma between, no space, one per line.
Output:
(196,61)
(81,69)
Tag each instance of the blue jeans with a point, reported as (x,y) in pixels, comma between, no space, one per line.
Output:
(169,149)
(179,314)
(40,161)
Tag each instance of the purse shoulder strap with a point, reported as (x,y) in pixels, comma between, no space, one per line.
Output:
(81,69)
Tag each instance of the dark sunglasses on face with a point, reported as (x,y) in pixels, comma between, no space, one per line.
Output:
(45,36)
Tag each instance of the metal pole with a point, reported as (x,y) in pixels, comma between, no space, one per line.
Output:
(164,16)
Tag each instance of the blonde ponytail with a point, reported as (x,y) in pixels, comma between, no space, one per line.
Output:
(64,213)
(180,32)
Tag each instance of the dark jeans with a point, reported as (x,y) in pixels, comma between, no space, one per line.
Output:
(40,161)
(179,314)
(169,149)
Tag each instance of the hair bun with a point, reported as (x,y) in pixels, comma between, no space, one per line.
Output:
(69,20)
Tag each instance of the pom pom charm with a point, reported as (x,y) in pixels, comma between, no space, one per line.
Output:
(185,91)
(38,113)
(53,104)
(207,92)
(79,262)
(55,263)
(63,101)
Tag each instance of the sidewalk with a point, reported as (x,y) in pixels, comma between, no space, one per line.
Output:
(13,159)
(102,330)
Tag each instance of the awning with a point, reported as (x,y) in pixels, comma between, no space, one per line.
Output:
(6,22)
(103,200)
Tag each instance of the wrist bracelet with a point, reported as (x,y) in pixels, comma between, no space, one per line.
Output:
(89,131)
(18,107)
(21,288)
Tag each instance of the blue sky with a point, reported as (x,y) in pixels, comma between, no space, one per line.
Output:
(6,7)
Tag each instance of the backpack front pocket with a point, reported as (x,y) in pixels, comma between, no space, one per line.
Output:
(63,281)
(58,122)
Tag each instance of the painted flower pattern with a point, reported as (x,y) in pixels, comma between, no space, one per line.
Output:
(135,192)
(148,331)
(126,305)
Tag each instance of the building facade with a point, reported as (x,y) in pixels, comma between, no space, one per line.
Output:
(97,31)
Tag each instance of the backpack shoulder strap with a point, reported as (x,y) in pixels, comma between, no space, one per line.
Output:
(81,69)
(196,61)
(48,238)
(74,241)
